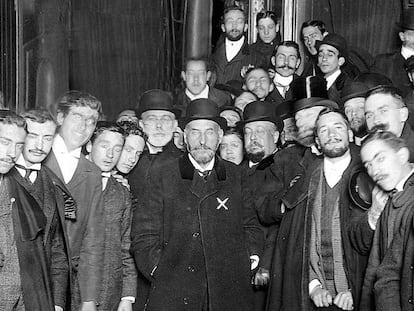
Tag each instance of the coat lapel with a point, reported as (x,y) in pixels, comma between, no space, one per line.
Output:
(81,172)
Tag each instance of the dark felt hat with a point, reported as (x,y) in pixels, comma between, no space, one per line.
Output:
(406,20)
(353,90)
(262,111)
(156,100)
(409,63)
(306,91)
(234,87)
(373,79)
(203,109)
(360,188)
(285,109)
(336,41)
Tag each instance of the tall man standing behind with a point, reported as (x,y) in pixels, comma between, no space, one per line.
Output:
(193,235)
(77,114)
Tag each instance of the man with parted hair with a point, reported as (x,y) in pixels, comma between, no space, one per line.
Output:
(25,275)
(77,114)
(257,81)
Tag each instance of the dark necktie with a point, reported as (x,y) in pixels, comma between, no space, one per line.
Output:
(285,88)
(204,174)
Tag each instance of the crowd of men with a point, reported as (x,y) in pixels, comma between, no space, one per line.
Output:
(253,188)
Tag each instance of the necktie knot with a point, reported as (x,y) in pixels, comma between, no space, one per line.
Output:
(28,171)
(204,174)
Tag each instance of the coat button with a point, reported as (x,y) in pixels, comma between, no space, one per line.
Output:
(411,267)
(186,300)
(410,300)
(191,269)
(196,234)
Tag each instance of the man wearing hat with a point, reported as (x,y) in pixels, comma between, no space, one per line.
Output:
(195,231)
(353,100)
(157,118)
(289,135)
(392,64)
(262,130)
(332,55)
(315,264)
(409,97)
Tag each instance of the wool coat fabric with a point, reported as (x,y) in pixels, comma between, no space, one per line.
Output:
(50,199)
(230,70)
(86,233)
(193,237)
(119,277)
(276,98)
(335,91)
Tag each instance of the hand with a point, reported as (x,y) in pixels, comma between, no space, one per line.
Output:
(379,199)
(125,305)
(254,261)
(261,277)
(344,301)
(88,306)
(58,308)
(321,297)
(121,179)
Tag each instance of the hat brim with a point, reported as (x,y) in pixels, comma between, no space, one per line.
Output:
(360,189)
(313,102)
(343,53)
(219,120)
(402,26)
(354,95)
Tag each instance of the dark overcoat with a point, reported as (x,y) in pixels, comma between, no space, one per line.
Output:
(276,98)
(335,91)
(192,238)
(290,275)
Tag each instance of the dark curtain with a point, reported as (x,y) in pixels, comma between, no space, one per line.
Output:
(369,24)
(119,49)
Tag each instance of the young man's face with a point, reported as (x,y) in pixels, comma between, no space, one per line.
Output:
(132,150)
(310,35)
(106,150)
(267,29)
(77,127)
(234,25)
(39,141)
(12,140)
(407,38)
(329,60)
(196,76)
(286,60)
(258,82)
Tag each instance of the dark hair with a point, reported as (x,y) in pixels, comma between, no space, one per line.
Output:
(313,23)
(38,115)
(196,59)
(131,128)
(289,44)
(77,99)
(390,139)
(102,126)
(233,8)
(387,90)
(327,110)
(234,130)
(267,14)
(11,118)
(252,69)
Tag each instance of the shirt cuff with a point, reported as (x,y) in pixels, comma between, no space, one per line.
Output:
(129,298)
(313,284)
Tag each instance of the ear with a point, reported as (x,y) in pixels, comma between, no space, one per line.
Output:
(273,61)
(277,27)
(318,143)
(350,135)
(276,136)
(208,75)
(221,134)
(183,75)
(401,34)
(298,63)
(175,124)
(60,118)
(404,114)
(223,29)
(271,86)
(245,27)
(185,136)
(89,147)
(141,124)
(403,155)
(341,61)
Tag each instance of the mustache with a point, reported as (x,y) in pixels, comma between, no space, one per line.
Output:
(203,148)
(38,151)
(379,127)
(286,67)
(8,160)
(255,144)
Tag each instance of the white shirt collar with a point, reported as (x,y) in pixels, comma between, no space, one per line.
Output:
(331,79)
(59,147)
(333,170)
(406,52)
(22,161)
(203,94)
(283,80)
(233,47)
(197,166)
(400,185)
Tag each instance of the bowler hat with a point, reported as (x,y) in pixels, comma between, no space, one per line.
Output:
(360,188)
(203,109)
(262,111)
(409,63)
(373,79)
(306,91)
(155,99)
(285,109)
(353,90)
(407,20)
(336,41)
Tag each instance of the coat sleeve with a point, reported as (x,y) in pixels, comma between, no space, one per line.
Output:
(129,280)
(146,229)
(92,248)
(361,235)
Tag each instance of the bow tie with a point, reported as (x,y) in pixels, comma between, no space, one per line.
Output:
(204,174)
(28,171)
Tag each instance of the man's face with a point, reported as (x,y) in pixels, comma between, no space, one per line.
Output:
(12,140)
(329,60)
(258,82)
(305,123)
(333,135)
(286,61)
(202,138)
(132,150)
(289,129)
(77,127)
(159,125)
(196,76)
(231,116)
(127,115)
(234,25)
(310,35)
(244,99)
(106,150)
(231,148)
(260,138)
(383,112)
(39,141)
(267,29)
(386,166)
(407,38)
(355,113)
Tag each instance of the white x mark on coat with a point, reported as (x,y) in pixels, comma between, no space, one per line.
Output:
(222,203)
